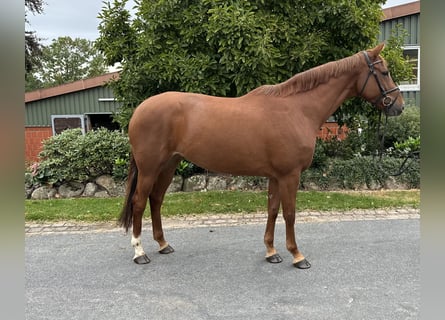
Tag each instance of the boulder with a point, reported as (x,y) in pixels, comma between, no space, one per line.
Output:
(107,182)
(120,190)
(393,184)
(195,183)
(101,194)
(175,185)
(71,189)
(90,189)
(44,192)
(311,186)
(216,183)
(237,183)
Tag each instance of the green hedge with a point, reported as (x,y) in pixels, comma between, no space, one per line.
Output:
(72,156)
(363,173)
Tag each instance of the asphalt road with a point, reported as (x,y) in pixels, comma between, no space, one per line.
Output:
(360,270)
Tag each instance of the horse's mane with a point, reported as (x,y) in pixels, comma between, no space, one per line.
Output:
(311,78)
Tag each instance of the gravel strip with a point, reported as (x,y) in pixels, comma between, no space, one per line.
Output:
(213,220)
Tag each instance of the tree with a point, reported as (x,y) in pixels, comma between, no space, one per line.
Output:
(66,60)
(33,48)
(227,48)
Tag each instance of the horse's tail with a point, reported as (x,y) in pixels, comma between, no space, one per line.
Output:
(126,217)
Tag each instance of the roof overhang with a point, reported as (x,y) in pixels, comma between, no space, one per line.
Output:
(70,87)
(403,10)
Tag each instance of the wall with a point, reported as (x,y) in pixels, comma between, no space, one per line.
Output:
(331,129)
(33,141)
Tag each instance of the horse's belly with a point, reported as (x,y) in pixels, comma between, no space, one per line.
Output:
(224,154)
(245,153)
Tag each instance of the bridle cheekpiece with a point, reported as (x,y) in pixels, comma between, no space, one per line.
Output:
(387,100)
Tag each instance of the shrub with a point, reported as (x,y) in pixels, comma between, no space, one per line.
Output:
(348,148)
(363,172)
(320,155)
(72,156)
(403,127)
(187,169)
(406,148)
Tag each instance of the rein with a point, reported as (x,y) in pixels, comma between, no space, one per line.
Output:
(381,150)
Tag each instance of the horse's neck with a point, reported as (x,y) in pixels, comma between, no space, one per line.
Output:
(321,102)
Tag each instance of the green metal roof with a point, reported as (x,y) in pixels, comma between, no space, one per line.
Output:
(92,100)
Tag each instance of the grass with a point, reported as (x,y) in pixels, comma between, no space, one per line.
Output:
(108,209)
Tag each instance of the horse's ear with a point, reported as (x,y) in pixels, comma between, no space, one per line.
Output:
(376,51)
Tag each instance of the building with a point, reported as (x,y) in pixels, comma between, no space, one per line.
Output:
(84,104)
(89,103)
(408,16)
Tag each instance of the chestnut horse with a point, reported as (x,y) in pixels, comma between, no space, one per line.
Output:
(270,131)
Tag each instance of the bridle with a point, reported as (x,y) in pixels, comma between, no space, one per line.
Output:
(387,100)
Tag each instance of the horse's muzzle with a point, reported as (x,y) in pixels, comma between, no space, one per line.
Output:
(394,110)
(392,106)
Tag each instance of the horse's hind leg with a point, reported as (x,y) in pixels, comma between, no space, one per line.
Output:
(157,197)
(273,206)
(139,201)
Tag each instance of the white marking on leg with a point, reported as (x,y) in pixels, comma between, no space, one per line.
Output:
(163,247)
(137,245)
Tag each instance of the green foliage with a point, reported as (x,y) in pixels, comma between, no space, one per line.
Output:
(353,145)
(320,155)
(66,60)
(120,169)
(72,156)
(33,47)
(226,48)
(343,149)
(364,135)
(399,66)
(362,172)
(403,127)
(408,146)
(349,164)
(186,169)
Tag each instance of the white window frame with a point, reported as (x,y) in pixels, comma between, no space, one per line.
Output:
(80,116)
(416,86)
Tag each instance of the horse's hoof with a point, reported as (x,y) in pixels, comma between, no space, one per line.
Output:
(303,264)
(168,249)
(275,258)
(141,259)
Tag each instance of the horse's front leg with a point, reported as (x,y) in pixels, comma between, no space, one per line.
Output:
(273,206)
(288,189)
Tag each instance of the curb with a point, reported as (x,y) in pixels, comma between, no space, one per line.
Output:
(216,220)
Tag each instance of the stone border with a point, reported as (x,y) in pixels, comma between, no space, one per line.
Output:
(216,220)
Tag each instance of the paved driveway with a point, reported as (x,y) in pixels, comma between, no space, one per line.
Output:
(360,270)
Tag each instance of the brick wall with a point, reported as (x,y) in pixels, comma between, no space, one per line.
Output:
(332,129)
(33,141)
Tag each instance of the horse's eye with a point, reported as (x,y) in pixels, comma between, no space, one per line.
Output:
(385,73)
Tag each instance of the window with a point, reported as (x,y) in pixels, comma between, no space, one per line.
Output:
(412,53)
(86,122)
(63,122)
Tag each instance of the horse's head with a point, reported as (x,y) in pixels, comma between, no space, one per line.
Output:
(376,85)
